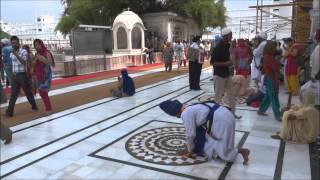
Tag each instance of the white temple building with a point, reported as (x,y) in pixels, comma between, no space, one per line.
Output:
(128,34)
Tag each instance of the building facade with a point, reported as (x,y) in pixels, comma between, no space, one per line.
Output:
(168,26)
(42,28)
(280,20)
(275,20)
(4,26)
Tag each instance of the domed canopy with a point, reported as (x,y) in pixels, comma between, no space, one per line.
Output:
(129,19)
(128,33)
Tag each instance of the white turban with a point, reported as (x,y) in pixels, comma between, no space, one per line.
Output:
(225,31)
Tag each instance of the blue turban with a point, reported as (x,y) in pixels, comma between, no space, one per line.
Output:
(172,108)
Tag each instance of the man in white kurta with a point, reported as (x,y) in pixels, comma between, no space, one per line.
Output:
(222,129)
(178,51)
(315,61)
(257,56)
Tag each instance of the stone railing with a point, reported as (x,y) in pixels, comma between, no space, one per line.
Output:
(87,64)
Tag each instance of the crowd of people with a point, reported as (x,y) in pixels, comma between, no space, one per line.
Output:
(210,126)
(31,72)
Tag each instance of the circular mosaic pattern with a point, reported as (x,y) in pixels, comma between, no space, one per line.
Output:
(160,146)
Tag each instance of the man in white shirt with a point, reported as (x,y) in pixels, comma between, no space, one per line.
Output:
(19,58)
(178,51)
(315,59)
(257,56)
(194,64)
(215,139)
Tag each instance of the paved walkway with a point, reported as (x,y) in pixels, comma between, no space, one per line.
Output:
(65,81)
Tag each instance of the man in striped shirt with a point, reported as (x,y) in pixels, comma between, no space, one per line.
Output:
(19,58)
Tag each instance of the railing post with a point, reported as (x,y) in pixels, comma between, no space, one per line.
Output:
(74,54)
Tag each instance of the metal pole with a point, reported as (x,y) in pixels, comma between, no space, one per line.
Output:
(261,16)
(74,54)
(240,29)
(104,52)
(257,16)
(249,31)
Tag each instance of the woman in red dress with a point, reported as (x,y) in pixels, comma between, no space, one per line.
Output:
(242,57)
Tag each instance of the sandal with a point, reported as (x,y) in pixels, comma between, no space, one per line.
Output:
(276,136)
(261,113)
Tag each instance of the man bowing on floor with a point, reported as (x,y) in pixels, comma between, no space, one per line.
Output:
(210,129)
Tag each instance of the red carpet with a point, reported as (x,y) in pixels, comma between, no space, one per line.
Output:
(111,73)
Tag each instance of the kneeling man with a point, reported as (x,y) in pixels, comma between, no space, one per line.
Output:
(210,129)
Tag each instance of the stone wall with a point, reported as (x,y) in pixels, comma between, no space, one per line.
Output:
(97,64)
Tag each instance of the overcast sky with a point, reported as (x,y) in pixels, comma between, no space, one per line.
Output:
(25,11)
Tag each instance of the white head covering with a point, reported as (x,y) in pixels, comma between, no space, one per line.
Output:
(225,31)
(263,35)
(5,41)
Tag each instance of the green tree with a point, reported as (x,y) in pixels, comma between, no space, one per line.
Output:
(207,13)
(4,34)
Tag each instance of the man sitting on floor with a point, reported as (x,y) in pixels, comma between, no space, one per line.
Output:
(125,86)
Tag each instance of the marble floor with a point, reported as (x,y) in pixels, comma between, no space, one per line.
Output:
(85,85)
(91,141)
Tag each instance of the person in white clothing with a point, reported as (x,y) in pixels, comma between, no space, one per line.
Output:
(315,59)
(215,139)
(257,56)
(178,51)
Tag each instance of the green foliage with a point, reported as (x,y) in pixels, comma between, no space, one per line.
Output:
(4,34)
(207,13)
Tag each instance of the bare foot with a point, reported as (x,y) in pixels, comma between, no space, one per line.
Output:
(48,113)
(276,136)
(245,154)
(182,152)
(261,113)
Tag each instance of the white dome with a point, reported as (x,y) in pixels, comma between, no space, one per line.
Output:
(128,18)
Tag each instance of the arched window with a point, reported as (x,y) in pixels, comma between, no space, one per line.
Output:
(136,38)
(122,38)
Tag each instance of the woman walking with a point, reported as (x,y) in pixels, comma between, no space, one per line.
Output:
(167,54)
(43,74)
(271,70)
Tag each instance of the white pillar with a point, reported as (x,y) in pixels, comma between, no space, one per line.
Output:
(115,39)
(129,43)
(169,30)
(142,39)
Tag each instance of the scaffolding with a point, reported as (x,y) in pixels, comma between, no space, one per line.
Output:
(300,22)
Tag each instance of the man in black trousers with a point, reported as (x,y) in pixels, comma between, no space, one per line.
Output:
(194,64)
(19,58)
